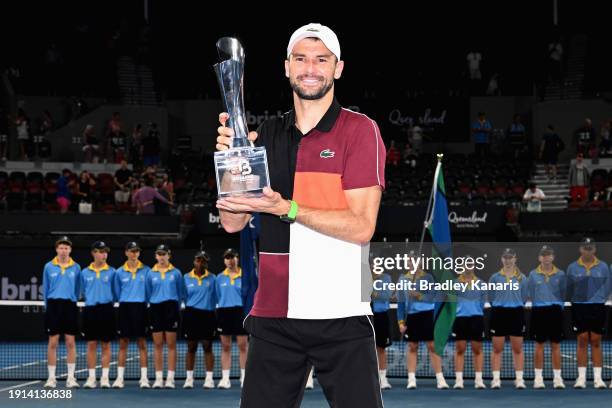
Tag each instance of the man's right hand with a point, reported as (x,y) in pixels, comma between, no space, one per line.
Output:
(224,139)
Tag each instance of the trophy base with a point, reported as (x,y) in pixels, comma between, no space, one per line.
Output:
(242,172)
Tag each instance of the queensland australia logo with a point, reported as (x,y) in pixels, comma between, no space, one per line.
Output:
(327,154)
(473,221)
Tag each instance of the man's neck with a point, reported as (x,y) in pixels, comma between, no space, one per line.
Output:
(233,270)
(99,265)
(508,270)
(546,268)
(309,113)
(63,261)
(132,263)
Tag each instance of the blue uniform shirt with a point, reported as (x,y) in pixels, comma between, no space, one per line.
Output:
(508,297)
(480,135)
(61,283)
(381,298)
(97,285)
(588,283)
(414,301)
(201,292)
(229,291)
(546,289)
(165,285)
(471,301)
(130,285)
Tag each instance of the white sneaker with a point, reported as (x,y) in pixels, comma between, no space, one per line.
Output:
(599,384)
(519,384)
(224,384)
(144,383)
(104,382)
(169,383)
(159,383)
(71,382)
(384,384)
(51,383)
(442,385)
(411,384)
(188,383)
(310,384)
(558,383)
(118,383)
(209,384)
(90,383)
(479,385)
(495,384)
(538,383)
(580,383)
(458,385)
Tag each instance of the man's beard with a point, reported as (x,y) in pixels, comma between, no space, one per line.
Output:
(327,86)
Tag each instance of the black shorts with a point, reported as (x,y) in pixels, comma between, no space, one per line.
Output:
(164,316)
(132,320)
(99,322)
(198,324)
(468,328)
(282,351)
(61,317)
(546,324)
(588,317)
(507,321)
(420,326)
(382,329)
(229,321)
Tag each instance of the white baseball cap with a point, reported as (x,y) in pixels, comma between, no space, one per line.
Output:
(319,31)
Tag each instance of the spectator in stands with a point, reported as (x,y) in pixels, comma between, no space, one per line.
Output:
(585,138)
(393,154)
(149,173)
(143,198)
(493,88)
(64,185)
(579,180)
(91,145)
(22,123)
(473,61)
(605,145)
(168,186)
(517,136)
(533,197)
(164,188)
(116,146)
(123,182)
(555,60)
(410,155)
(415,138)
(46,123)
(550,148)
(135,146)
(114,124)
(482,129)
(85,187)
(151,146)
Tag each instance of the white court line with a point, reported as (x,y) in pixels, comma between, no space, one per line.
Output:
(569,356)
(19,386)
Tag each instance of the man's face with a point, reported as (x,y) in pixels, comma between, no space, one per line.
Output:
(132,254)
(63,250)
(312,68)
(587,251)
(99,256)
(230,261)
(508,261)
(546,259)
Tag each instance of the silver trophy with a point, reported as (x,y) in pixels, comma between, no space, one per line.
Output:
(242,170)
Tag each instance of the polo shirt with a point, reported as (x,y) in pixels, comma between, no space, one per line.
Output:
(304,274)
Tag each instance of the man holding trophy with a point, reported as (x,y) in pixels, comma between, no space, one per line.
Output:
(325,166)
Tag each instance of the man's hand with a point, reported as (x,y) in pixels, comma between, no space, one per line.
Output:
(224,139)
(402,329)
(270,202)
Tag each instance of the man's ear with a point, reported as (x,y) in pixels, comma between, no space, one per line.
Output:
(287,66)
(339,69)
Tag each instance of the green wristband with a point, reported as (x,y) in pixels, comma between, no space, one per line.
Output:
(292,214)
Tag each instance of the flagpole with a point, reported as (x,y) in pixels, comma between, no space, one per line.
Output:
(434,188)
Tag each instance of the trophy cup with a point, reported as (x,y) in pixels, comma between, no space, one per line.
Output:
(242,170)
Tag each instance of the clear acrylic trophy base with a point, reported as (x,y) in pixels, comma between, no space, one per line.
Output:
(242,171)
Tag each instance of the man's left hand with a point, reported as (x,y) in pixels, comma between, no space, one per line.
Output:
(270,202)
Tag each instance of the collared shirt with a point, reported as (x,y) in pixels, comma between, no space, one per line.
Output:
(228,289)
(97,285)
(588,283)
(481,131)
(546,289)
(415,301)
(163,285)
(200,290)
(508,297)
(61,282)
(130,284)
(343,151)
(471,301)
(381,298)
